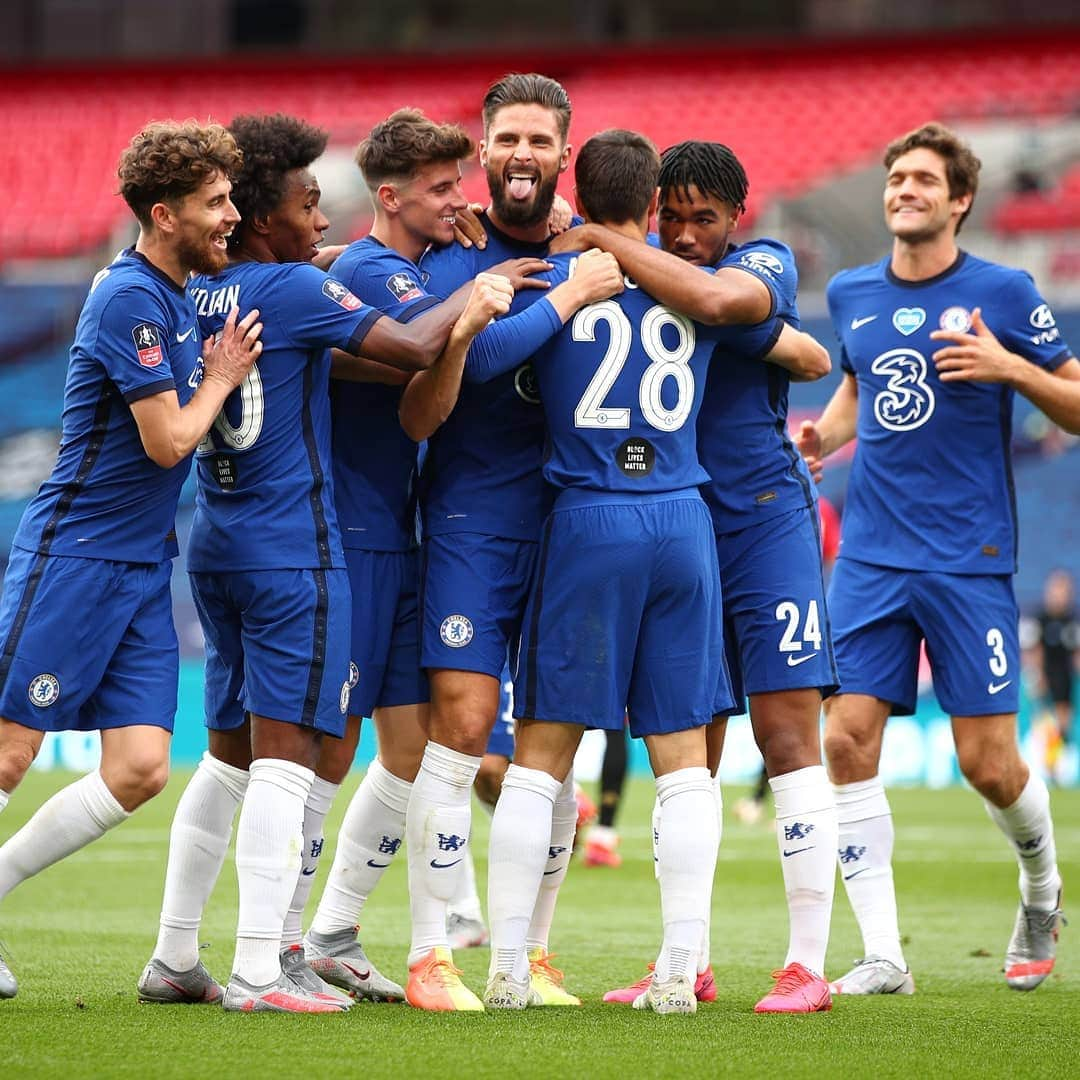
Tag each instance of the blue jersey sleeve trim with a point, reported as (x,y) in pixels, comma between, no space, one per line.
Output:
(417,308)
(1058,360)
(774,299)
(770,342)
(508,343)
(361,331)
(149,390)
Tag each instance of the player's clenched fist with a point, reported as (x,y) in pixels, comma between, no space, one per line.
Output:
(491,295)
(229,355)
(598,275)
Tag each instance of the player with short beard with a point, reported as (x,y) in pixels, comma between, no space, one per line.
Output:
(86,617)
(482,499)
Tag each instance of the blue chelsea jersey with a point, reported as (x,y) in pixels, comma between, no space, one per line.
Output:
(622,384)
(755,473)
(106,499)
(482,472)
(265,495)
(374,460)
(931,485)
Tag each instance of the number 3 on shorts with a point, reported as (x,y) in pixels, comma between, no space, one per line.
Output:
(998,662)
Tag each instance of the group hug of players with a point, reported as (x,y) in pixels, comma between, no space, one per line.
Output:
(608,498)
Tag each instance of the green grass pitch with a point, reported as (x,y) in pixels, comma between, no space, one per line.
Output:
(79,934)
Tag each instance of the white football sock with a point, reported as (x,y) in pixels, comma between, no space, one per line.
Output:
(370,836)
(4,796)
(807,832)
(656,838)
(560,848)
(686,855)
(518,853)
(437,829)
(316,808)
(703,955)
(198,840)
(1029,829)
(74,817)
(865,847)
(466,899)
(269,838)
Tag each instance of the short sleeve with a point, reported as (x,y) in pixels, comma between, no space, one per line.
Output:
(133,341)
(387,281)
(1024,323)
(321,312)
(773,264)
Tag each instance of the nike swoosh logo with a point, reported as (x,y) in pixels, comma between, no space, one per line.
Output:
(181,338)
(788,854)
(996,688)
(444,865)
(558,868)
(308,873)
(795,661)
(377,865)
(856,323)
(1030,854)
(361,975)
(848,877)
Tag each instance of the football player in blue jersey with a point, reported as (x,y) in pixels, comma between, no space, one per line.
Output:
(625,608)
(934,340)
(86,616)
(482,500)
(412,168)
(269,579)
(764,515)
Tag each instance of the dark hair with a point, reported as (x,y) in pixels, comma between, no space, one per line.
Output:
(529,89)
(616,175)
(402,144)
(961,165)
(168,160)
(272,146)
(711,167)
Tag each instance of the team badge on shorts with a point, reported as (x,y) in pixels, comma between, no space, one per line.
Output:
(354,675)
(43,690)
(456,631)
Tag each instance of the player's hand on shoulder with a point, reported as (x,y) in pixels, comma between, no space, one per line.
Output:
(973,355)
(327,256)
(491,296)
(562,214)
(229,356)
(468,231)
(598,275)
(808,443)
(520,272)
(579,238)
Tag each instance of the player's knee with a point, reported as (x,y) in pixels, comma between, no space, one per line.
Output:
(844,755)
(789,749)
(143,777)
(16,757)
(992,776)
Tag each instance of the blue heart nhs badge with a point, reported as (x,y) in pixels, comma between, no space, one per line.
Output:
(908,319)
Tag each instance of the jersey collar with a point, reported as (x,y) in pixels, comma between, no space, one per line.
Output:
(961,256)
